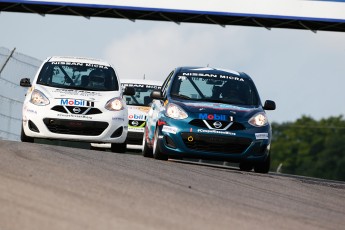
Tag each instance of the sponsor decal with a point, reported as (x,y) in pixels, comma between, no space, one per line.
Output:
(140,86)
(215,132)
(169,129)
(160,137)
(79,64)
(118,119)
(69,92)
(216,106)
(206,75)
(77,102)
(74,116)
(144,109)
(31,111)
(208,116)
(136,124)
(137,117)
(261,136)
(135,129)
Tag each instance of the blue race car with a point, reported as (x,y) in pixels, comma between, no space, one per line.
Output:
(208,113)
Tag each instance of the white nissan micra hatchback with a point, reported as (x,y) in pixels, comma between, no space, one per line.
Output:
(76,99)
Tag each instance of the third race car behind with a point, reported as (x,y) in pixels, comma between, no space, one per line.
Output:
(138,105)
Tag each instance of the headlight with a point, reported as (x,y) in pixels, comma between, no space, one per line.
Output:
(38,98)
(114,104)
(175,112)
(258,120)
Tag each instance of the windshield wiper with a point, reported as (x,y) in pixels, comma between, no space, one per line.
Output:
(43,83)
(214,100)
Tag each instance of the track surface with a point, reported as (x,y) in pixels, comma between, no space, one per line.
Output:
(55,187)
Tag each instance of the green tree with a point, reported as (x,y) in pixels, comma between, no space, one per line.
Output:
(309,147)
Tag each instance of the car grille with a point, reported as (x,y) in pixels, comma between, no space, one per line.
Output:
(136,123)
(135,138)
(83,110)
(75,127)
(215,143)
(200,123)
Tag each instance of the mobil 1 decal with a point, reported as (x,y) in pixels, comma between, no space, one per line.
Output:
(77,102)
(214,116)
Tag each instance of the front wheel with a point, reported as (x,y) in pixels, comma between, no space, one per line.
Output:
(264,166)
(157,154)
(25,138)
(246,166)
(118,147)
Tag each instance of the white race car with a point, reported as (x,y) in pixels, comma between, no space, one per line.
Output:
(76,99)
(138,107)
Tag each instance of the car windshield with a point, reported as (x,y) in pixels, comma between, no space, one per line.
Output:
(142,94)
(215,88)
(75,75)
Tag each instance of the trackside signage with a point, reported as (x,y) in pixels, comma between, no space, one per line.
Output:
(327,10)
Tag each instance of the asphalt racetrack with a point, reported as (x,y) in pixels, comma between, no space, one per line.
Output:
(55,187)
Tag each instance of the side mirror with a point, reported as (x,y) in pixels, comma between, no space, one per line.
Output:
(129,91)
(269,105)
(157,94)
(25,82)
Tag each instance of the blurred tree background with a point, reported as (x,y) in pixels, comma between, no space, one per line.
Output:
(310,148)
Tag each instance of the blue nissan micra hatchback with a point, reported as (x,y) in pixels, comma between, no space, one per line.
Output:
(208,113)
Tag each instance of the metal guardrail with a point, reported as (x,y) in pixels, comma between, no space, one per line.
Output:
(13,67)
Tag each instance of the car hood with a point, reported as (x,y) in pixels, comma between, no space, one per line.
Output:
(59,94)
(218,108)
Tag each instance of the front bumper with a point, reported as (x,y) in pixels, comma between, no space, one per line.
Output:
(107,127)
(186,141)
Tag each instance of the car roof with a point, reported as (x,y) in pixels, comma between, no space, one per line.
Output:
(77,59)
(209,70)
(140,81)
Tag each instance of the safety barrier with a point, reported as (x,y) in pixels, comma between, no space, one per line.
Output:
(13,67)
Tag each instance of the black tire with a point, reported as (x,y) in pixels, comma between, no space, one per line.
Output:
(264,166)
(157,154)
(93,148)
(246,166)
(147,151)
(25,138)
(119,147)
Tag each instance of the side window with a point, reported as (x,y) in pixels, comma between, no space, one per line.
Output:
(45,74)
(167,83)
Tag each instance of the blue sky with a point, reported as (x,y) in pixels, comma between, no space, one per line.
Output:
(302,71)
